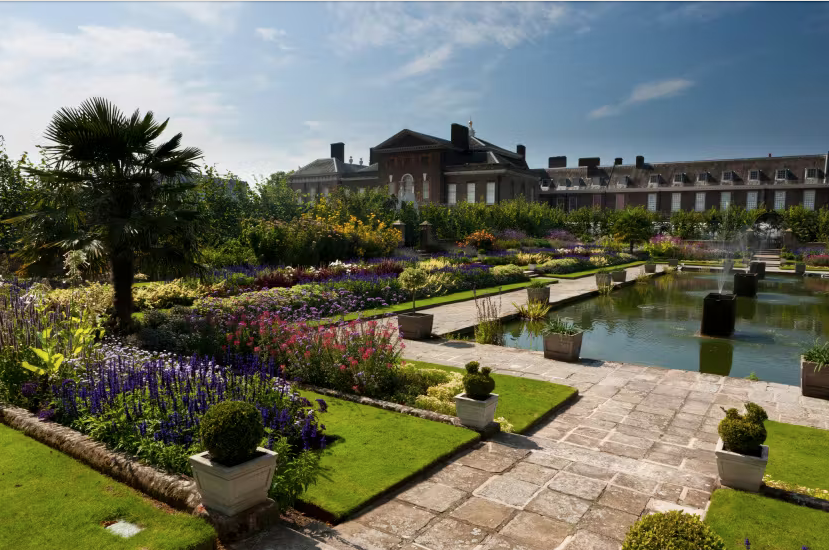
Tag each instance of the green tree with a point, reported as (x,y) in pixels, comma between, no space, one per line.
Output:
(686,225)
(277,200)
(108,190)
(15,193)
(805,224)
(634,225)
(224,202)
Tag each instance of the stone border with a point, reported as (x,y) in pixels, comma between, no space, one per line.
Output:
(795,498)
(176,491)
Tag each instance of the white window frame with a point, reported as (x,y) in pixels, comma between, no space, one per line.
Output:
(754,179)
(676,202)
(751,200)
(470,191)
(728,175)
(452,193)
(725,200)
(808,177)
(699,201)
(652,202)
(702,177)
(785,172)
(809,199)
(654,178)
(779,200)
(490,192)
(679,178)
(425,192)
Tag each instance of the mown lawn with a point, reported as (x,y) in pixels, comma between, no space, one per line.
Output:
(580,274)
(50,500)
(798,455)
(521,401)
(767,523)
(374,449)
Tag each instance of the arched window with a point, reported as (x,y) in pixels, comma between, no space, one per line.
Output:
(408,185)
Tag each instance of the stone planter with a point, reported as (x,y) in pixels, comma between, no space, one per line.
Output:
(564,347)
(602,279)
(650,268)
(741,471)
(759,268)
(415,326)
(719,315)
(538,295)
(530,267)
(233,489)
(814,383)
(618,276)
(799,268)
(673,262)
(745,284)
(474,413)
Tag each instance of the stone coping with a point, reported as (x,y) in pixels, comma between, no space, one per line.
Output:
(177,491)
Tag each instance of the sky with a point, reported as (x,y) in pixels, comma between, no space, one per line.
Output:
(261,86)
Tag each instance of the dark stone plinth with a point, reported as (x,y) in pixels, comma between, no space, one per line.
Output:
(233,528)
(719,312)
(745,284)
(758,268)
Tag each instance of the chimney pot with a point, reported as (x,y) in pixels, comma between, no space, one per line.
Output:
(521,150)
(618,161)
(361,161)
(338,151)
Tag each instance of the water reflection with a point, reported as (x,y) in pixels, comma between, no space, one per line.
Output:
(658,324)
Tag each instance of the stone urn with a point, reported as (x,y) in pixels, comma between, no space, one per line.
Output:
(673,262)
(800,268)
(814,382)
(564,347)
(233,489)
(740,471)
(415,326)
(603,279)
(618,276)
(538,294)
(650,268)
(476,413)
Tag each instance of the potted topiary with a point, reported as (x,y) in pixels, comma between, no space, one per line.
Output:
(814,376)
(562,340)
(603,278)
(475,407)
(234,473)
(538,291)
(650,267)
(481,253)
(674,529)
(411,324)
(741,455)
(618,276)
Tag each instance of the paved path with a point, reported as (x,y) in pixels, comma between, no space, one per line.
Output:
(461,316)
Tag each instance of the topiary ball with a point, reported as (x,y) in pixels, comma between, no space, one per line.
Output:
(743,434)
(231,431)
(477,385)
(671,531)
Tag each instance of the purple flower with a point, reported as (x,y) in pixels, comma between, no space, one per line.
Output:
(29,389)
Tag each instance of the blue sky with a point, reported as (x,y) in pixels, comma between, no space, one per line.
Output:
(267,86)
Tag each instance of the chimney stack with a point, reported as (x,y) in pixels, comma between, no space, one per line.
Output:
(460,137)
(618,161)
(640,161)
(522,151)
(557,162)
(590,162)
(338,151)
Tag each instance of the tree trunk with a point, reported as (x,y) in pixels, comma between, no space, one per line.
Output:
(631,247)
(122,276)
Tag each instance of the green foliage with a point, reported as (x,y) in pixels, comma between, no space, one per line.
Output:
(634,225)
(166,295)
(818,353)
(805,224)
(303,242)
(743,433)
(559,326)
(231,252)
(538,283)
(293,476)
(413,279)
(673,530)
(477,384)
(15,196)
(533,310)
(231,431)
(224,202)
(687,225)
(507,272)
(277,201)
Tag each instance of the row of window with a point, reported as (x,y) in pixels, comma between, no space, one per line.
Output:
(729,176)
(452,192)
(725,200)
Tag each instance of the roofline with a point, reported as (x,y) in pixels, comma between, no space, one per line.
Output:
(747,159)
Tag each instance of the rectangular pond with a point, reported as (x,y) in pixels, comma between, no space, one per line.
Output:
(657,323)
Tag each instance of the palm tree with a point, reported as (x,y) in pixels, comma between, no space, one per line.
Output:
(107,189)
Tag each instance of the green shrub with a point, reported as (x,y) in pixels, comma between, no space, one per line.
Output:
(538,283)
(672,531)
(478,385)
(231,431)
(558,326)
(743,433)
(818,353)
(507,272)
(165,295)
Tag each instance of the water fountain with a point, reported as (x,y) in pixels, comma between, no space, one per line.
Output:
(719,310)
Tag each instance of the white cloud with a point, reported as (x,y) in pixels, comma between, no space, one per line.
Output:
(643,93)
(312,124)
(42,71)
(216,15)
(441,28)
(277,36)
(683,12)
